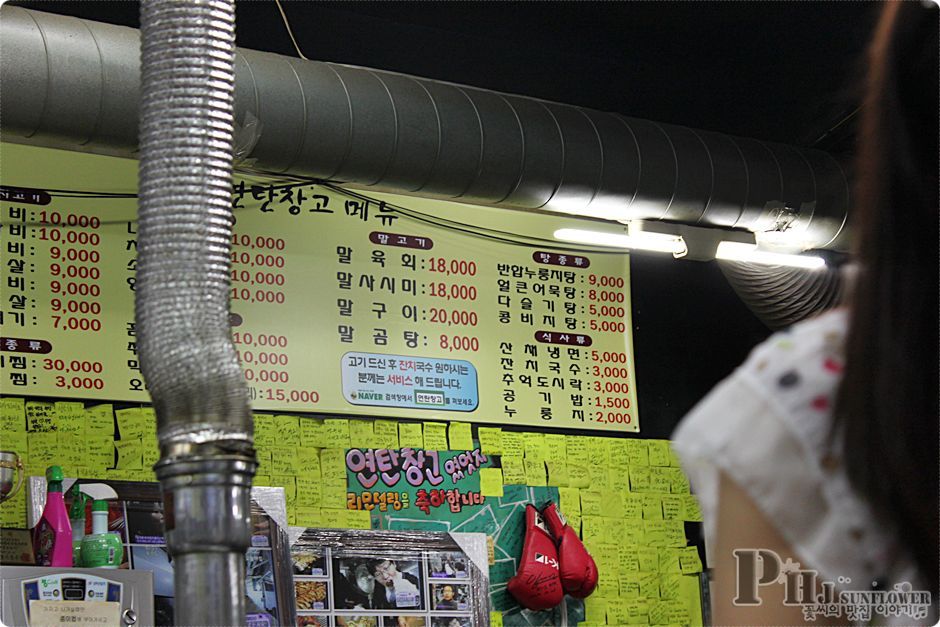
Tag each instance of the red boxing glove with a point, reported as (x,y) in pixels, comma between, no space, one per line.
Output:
(536,584)
(577,568)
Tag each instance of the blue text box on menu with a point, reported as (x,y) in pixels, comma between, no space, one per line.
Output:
(412,382)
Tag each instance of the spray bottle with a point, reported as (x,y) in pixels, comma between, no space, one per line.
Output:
(52,536)
(102,548)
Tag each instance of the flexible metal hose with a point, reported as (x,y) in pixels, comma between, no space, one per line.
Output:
(204,423)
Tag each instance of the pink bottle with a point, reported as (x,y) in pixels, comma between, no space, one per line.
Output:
(52,536)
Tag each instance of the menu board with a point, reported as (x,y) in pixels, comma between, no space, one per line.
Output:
(341,303)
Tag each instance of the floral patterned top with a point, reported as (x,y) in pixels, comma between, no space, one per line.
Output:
(768,428)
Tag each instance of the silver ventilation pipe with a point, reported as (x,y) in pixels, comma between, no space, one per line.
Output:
(204,422)
(72,83)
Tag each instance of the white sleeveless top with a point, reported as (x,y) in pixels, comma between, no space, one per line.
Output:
(767,428)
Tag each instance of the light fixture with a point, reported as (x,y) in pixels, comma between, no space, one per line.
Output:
(656,242)
(740,251)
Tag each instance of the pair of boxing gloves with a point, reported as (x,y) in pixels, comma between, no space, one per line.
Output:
(554,562)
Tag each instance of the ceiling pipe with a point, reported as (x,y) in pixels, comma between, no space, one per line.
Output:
(72,83)
(204,421)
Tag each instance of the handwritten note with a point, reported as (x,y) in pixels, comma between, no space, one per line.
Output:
(311,432)
(435,436)
(333,463)
(534,472)
(658,452)
(361,434)
(131,424)
(287,429)
(410,435)
(513,470)
(491,441)
(513,444)
(40,417)
(129,454)
(12,415)
(386,433)
(557,473)
(579,476)
(336,433)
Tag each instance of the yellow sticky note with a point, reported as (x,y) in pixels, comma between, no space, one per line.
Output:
(356,519)
(534,472)
(618,612)
(600,449)
(129,454)
(386,433)
(336,433)
(99,420)
(691,511)
(71,450)
(578,449)
(40,417)
(16,442)
(263,458)
(131,424)
(652,507)
(100,453)
(70,417)
(289,484)
(669,560)
(556,447)
(595,610)
(491,443)
(628,560)
(306,515)
(513,470)
(332,517)
(593,528)
(513,444)
(496,619)
(600,477)
(12,415)
(262,481)
(638,451)
(435,436)
(287,429)
(672,507)
(579,476)
(308,461)
(410,435)
(284,460)
(265,431)
(534,444)
(151,453)
(658,452)
(634,531)
(361,434)
(333,463)
(661,479)
(592,503)
(309,491)
(633,506)
(491,481)
(679,481)
(459,436)
(557,473)
(569,501)
(689,560)
(311,432)
(334,494)
(43,447)
(640,478)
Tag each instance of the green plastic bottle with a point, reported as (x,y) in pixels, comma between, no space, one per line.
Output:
(102,548)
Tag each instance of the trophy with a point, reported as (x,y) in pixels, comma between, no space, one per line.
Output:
(11,475)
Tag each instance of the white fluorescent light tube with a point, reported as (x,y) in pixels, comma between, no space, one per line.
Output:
(657,242)
(739,251)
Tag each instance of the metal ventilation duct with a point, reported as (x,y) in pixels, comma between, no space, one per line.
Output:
(74,84)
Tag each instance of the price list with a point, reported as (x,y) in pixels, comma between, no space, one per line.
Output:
(340,304)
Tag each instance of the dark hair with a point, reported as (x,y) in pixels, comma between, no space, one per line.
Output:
(887,403)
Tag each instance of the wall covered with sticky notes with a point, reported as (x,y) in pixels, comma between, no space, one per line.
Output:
(627,498)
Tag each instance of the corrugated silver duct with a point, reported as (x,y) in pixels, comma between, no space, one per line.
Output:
(411,135)
(780,296)
(204,422)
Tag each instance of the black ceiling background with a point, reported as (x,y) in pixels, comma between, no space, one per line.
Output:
(779,71)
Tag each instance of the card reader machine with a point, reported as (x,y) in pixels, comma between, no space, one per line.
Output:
(67,595)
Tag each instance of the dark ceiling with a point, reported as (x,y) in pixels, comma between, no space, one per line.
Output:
(781,71)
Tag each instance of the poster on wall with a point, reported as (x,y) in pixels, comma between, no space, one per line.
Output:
(341,303)
(381,579)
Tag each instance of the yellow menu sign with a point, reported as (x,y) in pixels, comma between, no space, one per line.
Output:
(342,303)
